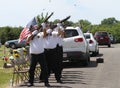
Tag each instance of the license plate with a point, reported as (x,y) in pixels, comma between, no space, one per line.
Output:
(101,38)
(64,54)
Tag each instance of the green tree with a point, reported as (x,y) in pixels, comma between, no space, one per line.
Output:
(40,18)
(84,24)
(9,33)
(109,21)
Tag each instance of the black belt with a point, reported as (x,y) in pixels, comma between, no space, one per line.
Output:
(36,54)
(49,49)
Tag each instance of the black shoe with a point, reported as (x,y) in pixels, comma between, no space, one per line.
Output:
(59,81)
(30,84)
(47,84)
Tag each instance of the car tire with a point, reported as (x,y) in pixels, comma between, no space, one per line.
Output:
(109,45)
(87,60)
(98,52)
(12,45)
(95,53)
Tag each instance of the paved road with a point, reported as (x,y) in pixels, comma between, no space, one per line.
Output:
(96,75)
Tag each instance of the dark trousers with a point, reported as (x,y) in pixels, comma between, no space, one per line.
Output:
(39,58)
(51,58)
(60,59)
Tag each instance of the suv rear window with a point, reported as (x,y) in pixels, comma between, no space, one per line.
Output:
(87,36)
(101,33)
(71,33)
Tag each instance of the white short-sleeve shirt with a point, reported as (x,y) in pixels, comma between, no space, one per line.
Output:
(37,44)
(51,41)
(59,38)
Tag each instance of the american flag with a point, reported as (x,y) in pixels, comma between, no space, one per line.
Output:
(25,31)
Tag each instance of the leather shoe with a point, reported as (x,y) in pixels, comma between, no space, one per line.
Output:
(47,84)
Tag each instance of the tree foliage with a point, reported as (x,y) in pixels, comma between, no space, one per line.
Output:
(9,33)
(109,21)
(84,24)
(110,25)
(40,18)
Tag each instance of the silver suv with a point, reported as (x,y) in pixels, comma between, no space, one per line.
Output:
(75,46)
(14,44)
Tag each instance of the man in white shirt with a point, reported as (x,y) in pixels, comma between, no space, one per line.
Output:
(59,48)
(51,52)
(36,41)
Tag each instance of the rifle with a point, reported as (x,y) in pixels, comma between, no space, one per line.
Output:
(63,20)
(40,26)
(48,17)
(45,20)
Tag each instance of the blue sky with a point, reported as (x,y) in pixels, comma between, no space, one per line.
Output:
(20,12)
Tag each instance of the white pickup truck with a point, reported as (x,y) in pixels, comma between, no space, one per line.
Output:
(75,46)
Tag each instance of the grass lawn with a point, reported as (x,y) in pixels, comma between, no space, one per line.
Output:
(5,73)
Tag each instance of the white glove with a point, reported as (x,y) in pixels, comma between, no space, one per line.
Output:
(61,28)
(34,32)
(43,25)
(49,31)
(59,24)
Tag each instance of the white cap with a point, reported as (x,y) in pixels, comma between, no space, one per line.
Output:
(49,31)
(59,24)
(61,28)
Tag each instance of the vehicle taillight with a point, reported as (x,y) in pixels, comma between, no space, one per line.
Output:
(91,41)
(106,37)
(78,39)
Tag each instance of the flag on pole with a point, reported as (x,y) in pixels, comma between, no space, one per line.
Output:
(33,22)
(25,31)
